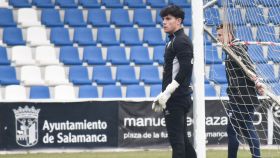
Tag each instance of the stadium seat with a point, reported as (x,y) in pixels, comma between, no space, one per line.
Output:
(3,4)
(246,3)
(31,75)
(107,37)
(266,34)
(155,90)
(275,88)
(93,56)
(149,75)
(83,36)
(188,17)
(256,54)
(37,36)
(134,3)
(111,91)
(51,18)
(6,19)
(74,18)
(181,3)
(255,16)
(66,3)
(46,55)
(22,55)
(19,3)
(116,55)
(126,75)
(3,56)
(88,91)
(153,36)
(89,4)
(274,54)
(223,90)
(158,54)
(244,33)
(8,75)
(129,36)
(156,3)
(102,75)
(269,3)
(143,18)
(209,90)
(60,36)
(206,80)
(266,72)
(97,18)
(112,3)
(158,17)
(13,36)
(78,75)
(274,16)
(39,92)
(28,17)
(212,17)
(120,18)
(15,93)
(234,16)
(64,92)
(217,74)
(55,75)
(69,56)
(211,55)
(139,55)
(135,91)
(43,3)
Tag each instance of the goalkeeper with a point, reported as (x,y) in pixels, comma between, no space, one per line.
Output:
(242,91)
(175,98)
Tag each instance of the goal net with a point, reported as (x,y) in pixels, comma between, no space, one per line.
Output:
(247,51)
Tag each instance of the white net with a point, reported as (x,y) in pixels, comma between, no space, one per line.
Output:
(250,40)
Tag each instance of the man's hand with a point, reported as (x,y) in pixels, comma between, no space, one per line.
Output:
(156,106)
(260,87)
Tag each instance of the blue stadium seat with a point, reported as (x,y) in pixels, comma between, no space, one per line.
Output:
(181,3)
(89,3)
(188,17)
(74,18)
(244,33)
(134,3)
(60,36)
(140,55)
(234,16)
(102,75)
(246,3)
(126,75)
(51,18)
(120,18)
(69,56)
(274,16)
(158,17)
(8,75)
(266,71)
(107,36)
(206,80)
(223,90)
(158,54)
(269,3)
(83,36)
(266,34)
(6,19)
(153,36)
(273,54)
(43,3)
(88,91)
(217,74)
(149,75)
(111,91)
(221,3)
(135,91)
(255,16)
(155,90)
(20,3)
(156,3)
(39,92)
(211,55)
(112,3)
(13,36)
(97,18)
(3,56)
(275,88)
(256,54)
(209,90)
(66,3)
(116,55)
(129,36)
(78,75)
(212,17)
(143,18)
(93,56)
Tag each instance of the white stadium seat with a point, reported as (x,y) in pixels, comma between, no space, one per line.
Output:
(22,55)
(37,36)
(31,75)
(15,93)
(28,17)
(55,75)
(64,92)
(46,55)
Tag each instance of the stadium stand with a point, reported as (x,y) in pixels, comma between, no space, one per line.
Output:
(60,36)
(156,3)
(89,4)
(20,3)
(155,90)
(135,91)
(74,18)
(139,55)
(217,74)
(51,18)
(130,36)
(69,56)
(107,36)
(149,74)
(93,56)
(120,18)
(126,75)
(209,90)
(134,3)
(39,92)
(43,3)
(111,91)
(116,55)
(102,75)
(66,3)
(112,3)
(8,76)
(97,18)
(6,19)
(13,36)
(143,18)
(78,75)
(83,36)
(88,91)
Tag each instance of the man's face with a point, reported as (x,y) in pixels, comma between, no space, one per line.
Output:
(223,36)
(171,24)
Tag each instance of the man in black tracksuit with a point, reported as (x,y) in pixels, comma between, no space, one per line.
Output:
(175,98)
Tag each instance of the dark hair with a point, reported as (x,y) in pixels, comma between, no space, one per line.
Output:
(229,27)
(173,10)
